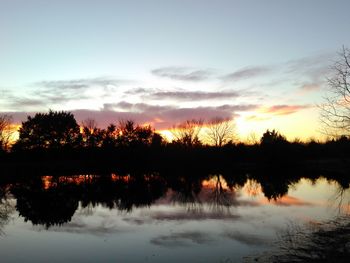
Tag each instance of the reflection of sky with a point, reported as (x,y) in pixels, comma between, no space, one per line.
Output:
(171,231)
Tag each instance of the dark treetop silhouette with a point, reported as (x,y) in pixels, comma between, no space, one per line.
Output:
(53,142)
(49,130)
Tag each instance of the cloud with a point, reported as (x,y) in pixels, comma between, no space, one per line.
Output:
(284,109)
(163,116)
(193,95)
(136,91)
(182,73)
(247,73)
(159,116)
(309,87)
(182,239)
(79,84)
(45,94)
(25,102)
(313,66)
(58,91)
(313,70)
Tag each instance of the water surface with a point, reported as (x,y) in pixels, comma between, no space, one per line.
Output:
(150,218)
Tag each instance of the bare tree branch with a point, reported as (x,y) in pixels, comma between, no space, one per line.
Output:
(335,111)
(6,132)
(187,133)
(220,131)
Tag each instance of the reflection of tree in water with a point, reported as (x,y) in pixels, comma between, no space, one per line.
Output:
(6,208)
(341,198)
(53,206)
(252,187)
(139,191)
(123,192)
(55,203)
(185,191)
(221,196)
(275,184)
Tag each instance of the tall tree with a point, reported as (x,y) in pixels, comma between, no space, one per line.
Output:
(272,137)
(335,111)
(220,131)
(187,133)
(5,132)
(49,130)
(92,136)
(131,134)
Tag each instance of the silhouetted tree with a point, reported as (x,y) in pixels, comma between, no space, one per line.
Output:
(131,134)
(92,136)
(49,130)
(110,136)
(220,131)
(187,133)
(335,112)
(157,140)
(5,132)
(126,130)
(272,137)
(252,138)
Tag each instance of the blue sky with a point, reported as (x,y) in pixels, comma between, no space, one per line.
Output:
(162,62)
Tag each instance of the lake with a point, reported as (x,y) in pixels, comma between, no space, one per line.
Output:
(153,218)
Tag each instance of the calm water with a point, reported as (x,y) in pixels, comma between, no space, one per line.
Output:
(153,219)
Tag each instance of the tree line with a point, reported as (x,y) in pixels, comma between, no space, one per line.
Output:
(53,142)
(59,129)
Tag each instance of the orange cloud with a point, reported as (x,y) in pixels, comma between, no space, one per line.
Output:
(284,109)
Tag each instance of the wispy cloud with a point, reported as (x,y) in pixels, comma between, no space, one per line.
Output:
(247,73)
(284,109)
(136,91)
(313,65)
(310,87)
(76,89)
(168,115)
(312,71)
(79,84)
(45,94)
(182,73)
(193,95)
(10,101)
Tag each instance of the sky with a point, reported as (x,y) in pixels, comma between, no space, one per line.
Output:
(264,64)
